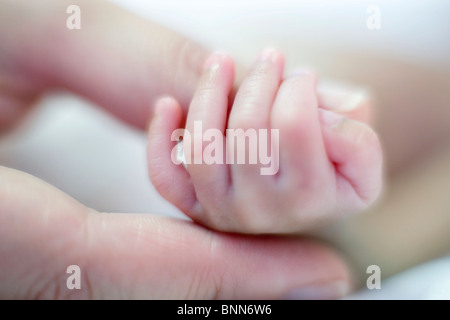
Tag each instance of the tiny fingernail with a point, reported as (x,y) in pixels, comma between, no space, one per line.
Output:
(354,100)
(268,54)
(330,118)
(212,64)
(329,291)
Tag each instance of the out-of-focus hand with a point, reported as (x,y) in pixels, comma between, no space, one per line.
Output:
(118,60)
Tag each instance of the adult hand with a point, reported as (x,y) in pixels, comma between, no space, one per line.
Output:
(138,256)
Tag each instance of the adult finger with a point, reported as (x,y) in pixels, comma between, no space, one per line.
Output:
(43,232)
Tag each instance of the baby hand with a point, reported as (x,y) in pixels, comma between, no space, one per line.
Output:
(277,162)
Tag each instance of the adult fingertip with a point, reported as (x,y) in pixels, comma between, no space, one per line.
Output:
(327,279)
(281,268)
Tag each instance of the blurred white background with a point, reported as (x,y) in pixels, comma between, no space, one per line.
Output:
(415,30)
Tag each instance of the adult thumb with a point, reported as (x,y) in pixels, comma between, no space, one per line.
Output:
(43,232)
(164,258)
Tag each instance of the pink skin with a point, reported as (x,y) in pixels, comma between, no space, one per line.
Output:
(330,166)
(143,256)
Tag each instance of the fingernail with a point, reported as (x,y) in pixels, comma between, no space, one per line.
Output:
(268,54)
(329,291)
(161,105)
(354,100)
(330,118)
(341,96)
(181,158)
(212,64)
